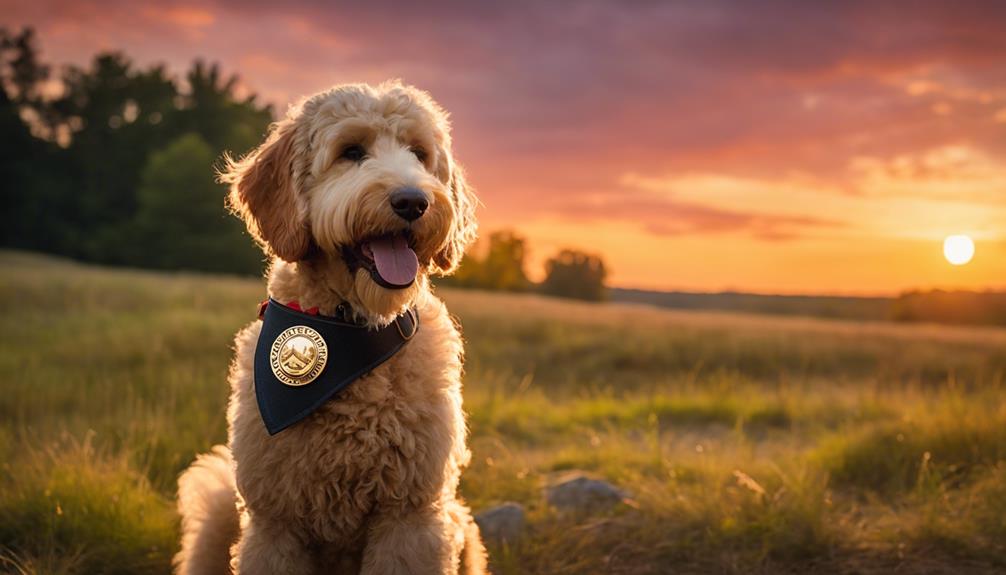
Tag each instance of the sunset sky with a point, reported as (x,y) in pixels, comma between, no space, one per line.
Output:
(814,147)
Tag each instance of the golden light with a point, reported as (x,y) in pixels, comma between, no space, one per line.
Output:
(958,249)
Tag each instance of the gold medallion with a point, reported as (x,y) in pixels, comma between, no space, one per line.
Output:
(298,356)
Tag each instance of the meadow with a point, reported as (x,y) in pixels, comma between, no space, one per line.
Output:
(749,444)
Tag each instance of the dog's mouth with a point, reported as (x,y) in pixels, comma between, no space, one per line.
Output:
(389,258)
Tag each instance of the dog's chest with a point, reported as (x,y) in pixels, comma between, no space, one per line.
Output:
(380,445)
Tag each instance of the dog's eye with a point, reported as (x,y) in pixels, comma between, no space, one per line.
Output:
(420,154)
(353,153)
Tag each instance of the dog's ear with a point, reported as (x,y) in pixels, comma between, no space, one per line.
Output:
(465,228)
(264,193)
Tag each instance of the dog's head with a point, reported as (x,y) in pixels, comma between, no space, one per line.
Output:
(362,176)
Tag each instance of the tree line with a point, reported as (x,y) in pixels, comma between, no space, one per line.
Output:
(500,265)
(114,163)
(942,306)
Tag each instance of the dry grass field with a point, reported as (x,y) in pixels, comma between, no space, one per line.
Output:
(749,444)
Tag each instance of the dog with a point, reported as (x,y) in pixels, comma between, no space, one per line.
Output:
(358,200)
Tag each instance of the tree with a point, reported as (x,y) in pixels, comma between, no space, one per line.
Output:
(111,116)
(575,275)
(181,222)
(72,165)
(21,72)
(501,268)
(31,169)
(212,108)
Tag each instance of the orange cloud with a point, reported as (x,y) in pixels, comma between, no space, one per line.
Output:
(184,16)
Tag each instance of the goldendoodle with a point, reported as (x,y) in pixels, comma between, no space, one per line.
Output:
(358,198)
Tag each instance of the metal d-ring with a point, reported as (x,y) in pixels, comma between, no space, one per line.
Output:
(415,324)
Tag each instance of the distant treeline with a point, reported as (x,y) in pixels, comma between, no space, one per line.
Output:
(117,166)
(498,263)
(982,308)
(963,307)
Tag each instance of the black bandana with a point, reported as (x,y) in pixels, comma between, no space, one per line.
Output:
(302,360)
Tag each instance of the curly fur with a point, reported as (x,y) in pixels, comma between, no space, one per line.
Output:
(368,483)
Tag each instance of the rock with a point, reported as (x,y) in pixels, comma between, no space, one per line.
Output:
(580,493)
(501,524)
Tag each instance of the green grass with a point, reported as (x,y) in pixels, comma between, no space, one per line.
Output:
(749,444)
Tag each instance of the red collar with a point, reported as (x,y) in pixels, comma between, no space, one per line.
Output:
(292,304)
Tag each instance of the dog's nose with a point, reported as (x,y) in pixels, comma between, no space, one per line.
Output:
(409,203)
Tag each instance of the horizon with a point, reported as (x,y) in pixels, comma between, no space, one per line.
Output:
(807,150)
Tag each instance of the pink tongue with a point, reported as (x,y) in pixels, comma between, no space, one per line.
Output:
(396,263)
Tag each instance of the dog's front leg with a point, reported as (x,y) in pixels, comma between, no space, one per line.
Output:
(267,547)
(414,542)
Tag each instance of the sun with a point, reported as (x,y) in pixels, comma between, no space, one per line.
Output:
(958,249)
